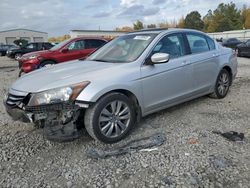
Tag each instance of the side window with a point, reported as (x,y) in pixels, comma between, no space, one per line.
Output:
(197,43)
(39,46)
(77,45)
(171,44)
(94,43)
(248,43)
(47,46)
(30,46)
(211,43)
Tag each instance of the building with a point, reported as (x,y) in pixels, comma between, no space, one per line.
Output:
(9,36)
(95,33)
(240,34)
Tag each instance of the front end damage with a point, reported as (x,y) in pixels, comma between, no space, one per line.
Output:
(60,121)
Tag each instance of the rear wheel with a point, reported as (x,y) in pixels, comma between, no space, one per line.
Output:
(222,85)
(47,64)
(110,119)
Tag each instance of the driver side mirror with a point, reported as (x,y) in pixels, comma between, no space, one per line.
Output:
(157,58)
(65,50)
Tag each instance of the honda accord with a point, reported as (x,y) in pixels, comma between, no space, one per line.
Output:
(128,78)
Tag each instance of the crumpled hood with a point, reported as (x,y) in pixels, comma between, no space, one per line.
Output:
(64,74)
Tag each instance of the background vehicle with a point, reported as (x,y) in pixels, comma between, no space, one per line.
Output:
(66,51)
(4,48)
(243,49)
(31,47)
(130,77)
(231,42)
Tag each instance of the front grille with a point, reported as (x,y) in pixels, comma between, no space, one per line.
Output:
(14,100)
(50,108)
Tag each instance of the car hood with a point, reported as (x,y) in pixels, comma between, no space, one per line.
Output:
(36,53)
(65,74)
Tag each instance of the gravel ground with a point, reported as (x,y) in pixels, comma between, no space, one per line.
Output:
(192,155)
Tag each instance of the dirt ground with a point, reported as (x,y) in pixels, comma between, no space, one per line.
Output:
(192,155)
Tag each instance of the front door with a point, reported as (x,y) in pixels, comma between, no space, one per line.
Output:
(167,83)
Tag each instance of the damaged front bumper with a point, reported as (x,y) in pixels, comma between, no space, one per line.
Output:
(60,121)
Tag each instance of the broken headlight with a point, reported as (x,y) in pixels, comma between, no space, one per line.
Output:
(57,95)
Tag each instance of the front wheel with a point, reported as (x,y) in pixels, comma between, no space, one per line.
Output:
(110,119)
(222,85)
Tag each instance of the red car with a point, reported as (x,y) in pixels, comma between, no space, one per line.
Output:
(71,49)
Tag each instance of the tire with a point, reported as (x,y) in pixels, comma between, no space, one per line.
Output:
(17,56)
(222,85)
(106,126)
(46,64)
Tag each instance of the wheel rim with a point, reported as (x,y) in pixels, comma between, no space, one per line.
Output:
(114,119)
(223,84)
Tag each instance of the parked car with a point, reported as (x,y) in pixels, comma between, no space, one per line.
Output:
(231,43)
(243,49)
(30,47)
(4,48)
(68,50)
(128,78)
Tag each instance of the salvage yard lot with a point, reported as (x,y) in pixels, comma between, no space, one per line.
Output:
(192,155)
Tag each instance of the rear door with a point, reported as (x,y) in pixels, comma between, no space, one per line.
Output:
(167,83)
(204,58)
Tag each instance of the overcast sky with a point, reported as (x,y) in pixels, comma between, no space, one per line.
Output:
(58,17)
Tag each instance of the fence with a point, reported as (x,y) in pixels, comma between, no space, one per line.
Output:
(242,35)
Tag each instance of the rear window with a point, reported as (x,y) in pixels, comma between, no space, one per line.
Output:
(197,43)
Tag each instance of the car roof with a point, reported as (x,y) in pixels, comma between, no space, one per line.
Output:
(164,30)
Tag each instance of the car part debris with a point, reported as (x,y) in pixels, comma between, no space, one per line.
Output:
(135,145)
(231,135)
(63,127)
(149,149)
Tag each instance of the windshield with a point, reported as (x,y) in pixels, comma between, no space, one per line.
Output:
(124,49)
(61,44)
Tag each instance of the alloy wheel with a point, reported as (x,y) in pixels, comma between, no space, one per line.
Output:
(114,119)
(223,84)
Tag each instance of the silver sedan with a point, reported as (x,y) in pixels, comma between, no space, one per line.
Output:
(130,77)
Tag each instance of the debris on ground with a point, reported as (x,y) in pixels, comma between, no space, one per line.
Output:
(231,135)
(192,141)
(135,145)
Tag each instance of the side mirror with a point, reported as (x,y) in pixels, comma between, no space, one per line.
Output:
(157,58)
(65,50)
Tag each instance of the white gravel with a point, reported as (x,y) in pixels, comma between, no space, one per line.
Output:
(28,160)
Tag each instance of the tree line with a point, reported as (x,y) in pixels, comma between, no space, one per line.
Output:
(225,17)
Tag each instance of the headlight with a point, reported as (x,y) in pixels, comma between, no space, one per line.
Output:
(57,95)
